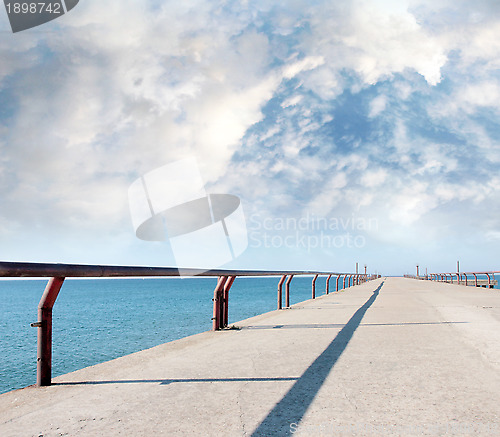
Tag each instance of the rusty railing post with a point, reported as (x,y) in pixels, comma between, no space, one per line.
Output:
(218,303)
(314,286)
(280,292)
(327,289)
(337,283)
(44,325)
(345,277)
(287,291)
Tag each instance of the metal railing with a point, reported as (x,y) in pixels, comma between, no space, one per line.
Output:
(462,278)
(59,272)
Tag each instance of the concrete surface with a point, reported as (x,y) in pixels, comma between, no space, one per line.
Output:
(393,356)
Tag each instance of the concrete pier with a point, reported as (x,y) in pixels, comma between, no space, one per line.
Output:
(393,356)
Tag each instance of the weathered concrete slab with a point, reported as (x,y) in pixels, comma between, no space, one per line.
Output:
(390,357)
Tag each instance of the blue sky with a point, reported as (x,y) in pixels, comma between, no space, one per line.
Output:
(374,122)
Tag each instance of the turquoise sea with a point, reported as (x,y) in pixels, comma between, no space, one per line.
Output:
(97,320)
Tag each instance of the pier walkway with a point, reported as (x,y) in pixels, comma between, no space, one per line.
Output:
(393,356)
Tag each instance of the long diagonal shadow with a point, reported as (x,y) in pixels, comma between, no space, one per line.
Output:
(291,409)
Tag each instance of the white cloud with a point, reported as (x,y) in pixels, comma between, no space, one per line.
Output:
(377,105)
(329,197)
(375,41)
(292,69)
(374,178)
(292,101)
(483,94)
(410,204)
(221,122)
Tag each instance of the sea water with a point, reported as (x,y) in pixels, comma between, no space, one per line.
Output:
(96,320)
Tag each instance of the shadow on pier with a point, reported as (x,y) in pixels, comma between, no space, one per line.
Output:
(341,325)
(174,381)
(293,406)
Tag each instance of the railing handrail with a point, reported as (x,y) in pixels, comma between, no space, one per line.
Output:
(47,270)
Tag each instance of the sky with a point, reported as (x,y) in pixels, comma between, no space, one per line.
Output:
(352,132)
